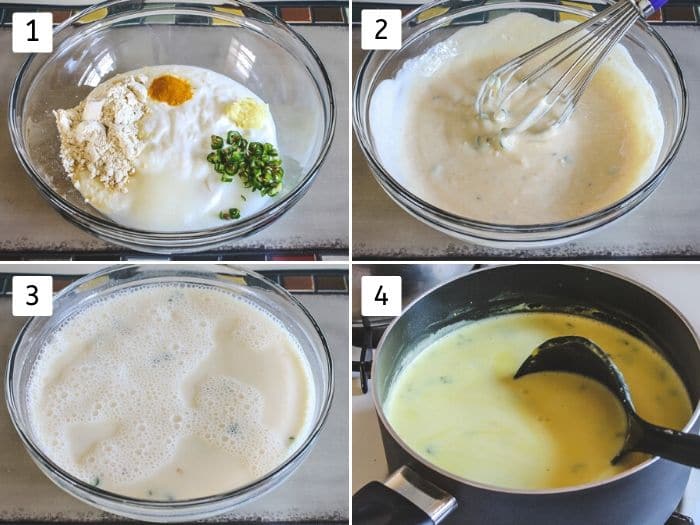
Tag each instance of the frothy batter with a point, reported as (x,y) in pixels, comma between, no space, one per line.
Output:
(431,140)
(170,392)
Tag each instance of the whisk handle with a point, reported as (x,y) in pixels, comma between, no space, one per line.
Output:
(654,4)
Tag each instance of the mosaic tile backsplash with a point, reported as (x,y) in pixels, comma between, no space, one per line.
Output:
(335,13)
(675,12)
(316,13)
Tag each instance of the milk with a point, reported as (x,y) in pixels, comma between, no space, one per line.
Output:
(170,392)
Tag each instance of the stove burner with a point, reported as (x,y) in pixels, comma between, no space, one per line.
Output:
(679,519)
(364,365)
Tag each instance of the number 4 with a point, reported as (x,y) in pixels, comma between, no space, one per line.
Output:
(383,298)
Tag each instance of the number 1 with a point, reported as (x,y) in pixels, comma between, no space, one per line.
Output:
(32,24)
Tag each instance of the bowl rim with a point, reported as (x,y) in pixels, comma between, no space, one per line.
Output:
(218,234)
(384,421)
(210,273)
(593,220)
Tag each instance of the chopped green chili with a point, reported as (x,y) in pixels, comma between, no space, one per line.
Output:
(256,163)
(231,213)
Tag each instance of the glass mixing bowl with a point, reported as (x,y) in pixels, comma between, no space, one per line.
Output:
(246,43)
(436,21)
(85,291)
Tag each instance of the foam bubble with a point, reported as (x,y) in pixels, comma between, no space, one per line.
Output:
(121,385)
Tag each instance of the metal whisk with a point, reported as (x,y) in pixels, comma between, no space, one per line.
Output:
(569,60)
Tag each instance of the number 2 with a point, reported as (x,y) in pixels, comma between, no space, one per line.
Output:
(32,24)
(33,295)
(383,299)
(379,36)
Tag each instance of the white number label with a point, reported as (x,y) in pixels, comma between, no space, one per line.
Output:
(381,295)
(32,295)
(381,28)
(32,32)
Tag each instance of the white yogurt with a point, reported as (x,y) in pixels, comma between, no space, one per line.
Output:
(430,139)
(174,188)
(170,392)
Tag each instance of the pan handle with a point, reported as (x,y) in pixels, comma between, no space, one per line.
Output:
(405,498)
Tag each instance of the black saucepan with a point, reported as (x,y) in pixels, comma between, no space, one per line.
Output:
(420,493)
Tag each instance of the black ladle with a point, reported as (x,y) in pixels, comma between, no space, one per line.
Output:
(579,355)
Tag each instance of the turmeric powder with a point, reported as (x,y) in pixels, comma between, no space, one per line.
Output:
(170,89)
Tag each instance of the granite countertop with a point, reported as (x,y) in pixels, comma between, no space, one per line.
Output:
(318,223)
(664,226)
(317,492)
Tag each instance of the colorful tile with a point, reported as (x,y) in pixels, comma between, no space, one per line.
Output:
(236,279)
(296,15)
(679,13)
(298,283)
(431,13)
(94,16)
(162,19)
(327,14)
(60,16)
(59,283)
(472,19)
(655,18)
(331,283)
(192,20)
(231,10)
(575,18)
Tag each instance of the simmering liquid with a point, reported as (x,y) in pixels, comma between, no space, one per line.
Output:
(457,404)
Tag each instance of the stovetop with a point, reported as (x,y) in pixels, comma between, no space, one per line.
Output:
(675,282)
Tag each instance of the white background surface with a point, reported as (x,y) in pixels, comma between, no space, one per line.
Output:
(678,283)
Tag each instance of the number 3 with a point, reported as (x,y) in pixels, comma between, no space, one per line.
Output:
(33,295)
(379,35)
